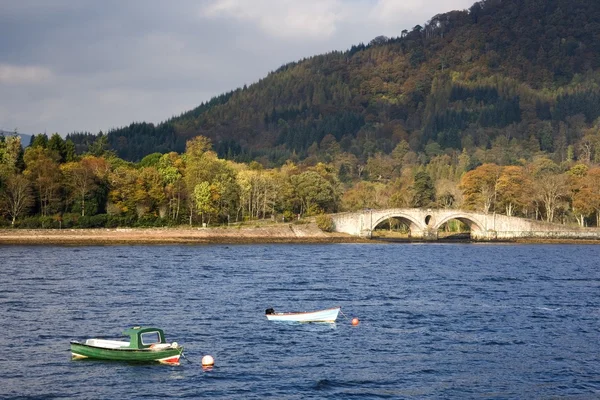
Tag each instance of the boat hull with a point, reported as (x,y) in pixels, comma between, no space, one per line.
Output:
(169,355)
(329,315)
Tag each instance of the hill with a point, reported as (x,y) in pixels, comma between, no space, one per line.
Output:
(524,71)
(25,139)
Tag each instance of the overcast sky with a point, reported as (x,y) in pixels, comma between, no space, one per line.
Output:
(91,65)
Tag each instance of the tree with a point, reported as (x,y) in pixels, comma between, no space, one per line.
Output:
(514,189)
(149,195)
(315,193)
(39,141)
(448,194)
(45,175)
(11,154)
(171,168)
(81,179)
(380,167)
(100,146)
(550,189)
(16,196)
(583,194)
(258,191)
(479,187)
(199,169)
(122,182)
(204,168)
(70,151)
(362,195)
(592,182)
(424,191)
(57,144)
(203,199)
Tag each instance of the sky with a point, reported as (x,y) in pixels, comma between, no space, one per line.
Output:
(89,66)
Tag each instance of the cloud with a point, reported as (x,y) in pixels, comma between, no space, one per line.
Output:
(17,75)
(309,19)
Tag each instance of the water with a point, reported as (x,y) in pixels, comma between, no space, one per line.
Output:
(437,320)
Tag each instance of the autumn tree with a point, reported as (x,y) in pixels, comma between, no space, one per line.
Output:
(83,177)
(363,195)
(123,183)
(199,159)
(402,191)
(514,189)
(582,194)
(149,194)
(592,183)
(550,190)
(44,173)
(550,186)
(203,199)
(479,187)
(215,176)
(380,167)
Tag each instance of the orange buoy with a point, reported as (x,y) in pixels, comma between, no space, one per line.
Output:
(208,361)
(355,321)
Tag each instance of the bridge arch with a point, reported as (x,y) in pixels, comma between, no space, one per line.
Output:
(413,224)
(468,220)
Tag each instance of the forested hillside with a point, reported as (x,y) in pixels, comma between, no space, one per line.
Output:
(521,69)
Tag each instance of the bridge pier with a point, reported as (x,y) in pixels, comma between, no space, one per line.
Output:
(366,233)
(426,234)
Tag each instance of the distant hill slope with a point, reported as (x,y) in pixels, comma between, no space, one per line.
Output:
(516,68)
(25,139)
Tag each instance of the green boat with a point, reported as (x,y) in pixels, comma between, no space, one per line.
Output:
(146,344)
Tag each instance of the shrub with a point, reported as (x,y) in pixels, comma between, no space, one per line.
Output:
(28,223)
(325,222)
(70,220)
(117,221)
(289,216)
(149,221)
(93,221)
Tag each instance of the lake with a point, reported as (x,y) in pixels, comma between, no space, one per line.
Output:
(451,321)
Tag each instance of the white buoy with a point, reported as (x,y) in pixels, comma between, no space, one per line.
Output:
(208,361)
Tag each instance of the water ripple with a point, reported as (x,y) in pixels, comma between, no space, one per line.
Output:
(437,321)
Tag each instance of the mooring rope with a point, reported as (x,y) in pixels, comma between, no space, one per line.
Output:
(341,312)
(188,360)
(348,318)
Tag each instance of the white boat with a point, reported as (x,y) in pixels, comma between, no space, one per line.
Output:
(328,315)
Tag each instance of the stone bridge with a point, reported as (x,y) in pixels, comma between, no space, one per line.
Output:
(424,224)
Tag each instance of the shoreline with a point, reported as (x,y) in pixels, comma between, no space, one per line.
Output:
(283,233)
